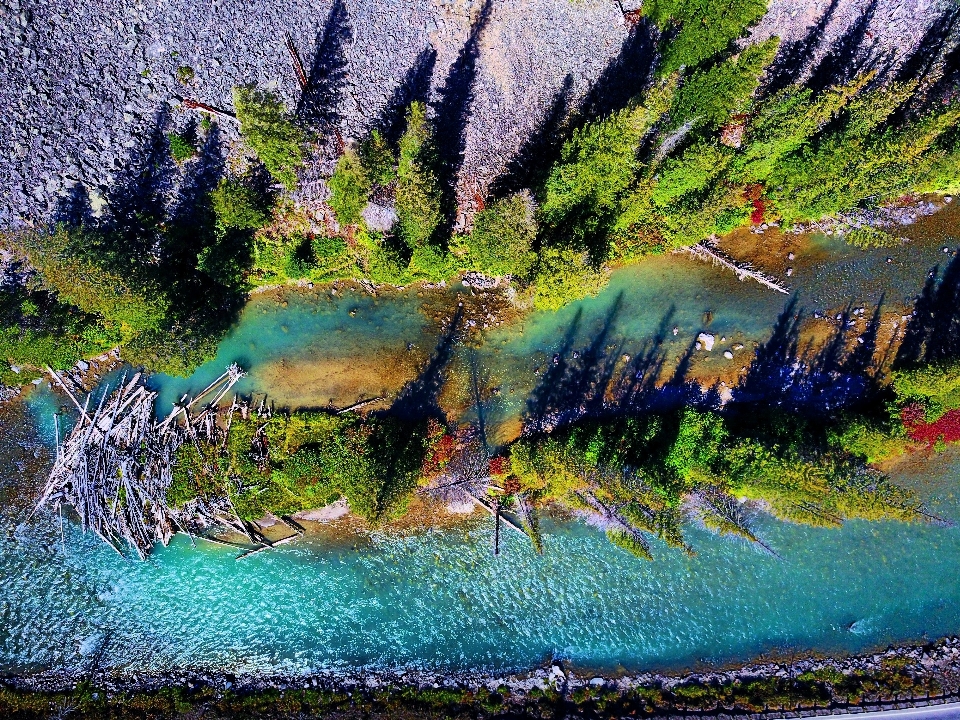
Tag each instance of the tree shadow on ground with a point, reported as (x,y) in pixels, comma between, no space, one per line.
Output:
(319,106)
(530,167)
(626,77)
(922,60)
(420,398)
(933,330)
(845,59)
(452,111)
(415,87)
(74,209)
(793,57)
(622,81)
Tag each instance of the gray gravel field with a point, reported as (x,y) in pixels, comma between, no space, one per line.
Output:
(82,84)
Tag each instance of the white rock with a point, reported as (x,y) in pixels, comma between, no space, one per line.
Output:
(707,340)
(728,355)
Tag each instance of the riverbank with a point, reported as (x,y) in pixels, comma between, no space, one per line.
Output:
(909,676)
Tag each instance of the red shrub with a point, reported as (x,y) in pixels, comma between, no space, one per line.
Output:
(499,466)
(946,427)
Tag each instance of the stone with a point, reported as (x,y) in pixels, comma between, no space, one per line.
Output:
(707,340)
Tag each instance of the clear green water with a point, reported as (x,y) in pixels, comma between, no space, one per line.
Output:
(441,600)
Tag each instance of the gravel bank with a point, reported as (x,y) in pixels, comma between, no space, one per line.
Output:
(898,678)
(82,85)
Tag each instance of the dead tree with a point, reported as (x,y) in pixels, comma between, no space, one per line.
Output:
(115,466)
(706,251)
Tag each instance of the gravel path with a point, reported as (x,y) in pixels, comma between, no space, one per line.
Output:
(82,84)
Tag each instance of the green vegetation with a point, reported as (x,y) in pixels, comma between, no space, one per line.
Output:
(418,197)
(502,239)
(698,30)
(307,460)
(934,386)
(185,74)
(269,131)
(181,149)
(658,470)
(349,188)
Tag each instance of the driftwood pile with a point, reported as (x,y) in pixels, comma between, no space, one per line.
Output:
(115,466)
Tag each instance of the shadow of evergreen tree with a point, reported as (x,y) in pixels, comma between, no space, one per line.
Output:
(415,87)
(452,110)
(793,57)
(530,167)
(420,398)
(844,59)
(933,330)
(319,105)
(74,209)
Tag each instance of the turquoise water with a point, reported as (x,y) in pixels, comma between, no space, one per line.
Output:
(441,600)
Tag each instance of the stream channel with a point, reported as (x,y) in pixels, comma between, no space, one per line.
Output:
(438,599)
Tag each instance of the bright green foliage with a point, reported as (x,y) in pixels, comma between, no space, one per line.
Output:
(935,386)
(820,491)
(80,277)
(502,239)
(181,148)
(428,262)
(785,122)
(278,259)
(696,445)
(237,206)
(693,171)
(597,167)
(564,275)
(846,167)
(706,27)
(378,159)
(269,131)
(349,188)
(36,330)
(708,98)
(872,441)
(314,458)
(418,195)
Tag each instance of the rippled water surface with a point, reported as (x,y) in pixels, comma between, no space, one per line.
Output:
(441,599)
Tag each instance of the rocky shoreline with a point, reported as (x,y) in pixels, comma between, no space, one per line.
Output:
(900,677)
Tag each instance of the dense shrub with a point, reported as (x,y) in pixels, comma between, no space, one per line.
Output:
(237,205)
(564,275)
(697,30)
(269,131)
(181,148)
(418,196)
(349,188)
(502,239)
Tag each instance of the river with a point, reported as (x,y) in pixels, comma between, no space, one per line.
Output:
(440,599)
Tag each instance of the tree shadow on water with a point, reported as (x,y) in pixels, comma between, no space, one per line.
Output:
(420,398)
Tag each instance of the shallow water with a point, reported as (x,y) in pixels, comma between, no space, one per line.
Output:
(441,600)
